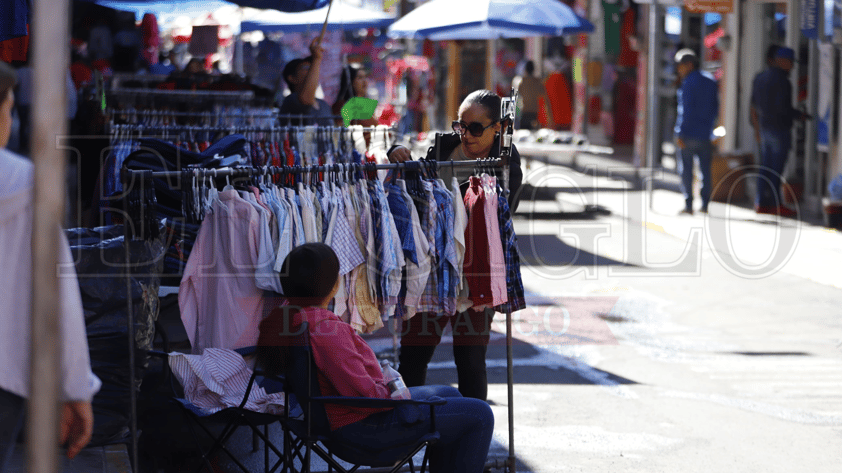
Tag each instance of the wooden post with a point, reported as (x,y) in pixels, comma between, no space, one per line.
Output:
(50,42)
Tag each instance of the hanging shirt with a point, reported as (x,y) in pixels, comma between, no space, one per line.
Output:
(221,306)
(298,236)
(403,222)
(341,237)
(477,260)
(285,228)
(514,283)
(418,274)
(495,246)
(430,300)
(308,215)
(446,283)
(367,231)
(265,276)
(460,222)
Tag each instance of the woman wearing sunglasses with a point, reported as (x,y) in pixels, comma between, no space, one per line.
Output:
(476,134)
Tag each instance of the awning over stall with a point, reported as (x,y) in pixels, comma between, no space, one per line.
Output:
(342,17)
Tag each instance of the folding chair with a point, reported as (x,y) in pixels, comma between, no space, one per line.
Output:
(313,432)
(230,420)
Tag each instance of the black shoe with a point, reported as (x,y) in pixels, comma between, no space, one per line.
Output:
(686,212)
(704,209)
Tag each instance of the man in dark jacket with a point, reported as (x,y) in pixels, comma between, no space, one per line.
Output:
(772,99)
(698,107)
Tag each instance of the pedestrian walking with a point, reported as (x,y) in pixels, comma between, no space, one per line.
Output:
(78,383)
(531,90)
(772,100)
(698,107)
(771,53)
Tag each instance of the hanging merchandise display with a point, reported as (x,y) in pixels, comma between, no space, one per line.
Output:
(204,40)
(612,18)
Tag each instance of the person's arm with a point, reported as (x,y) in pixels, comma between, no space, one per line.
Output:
(398,154)
(307,94)
(77,426)
(79,384)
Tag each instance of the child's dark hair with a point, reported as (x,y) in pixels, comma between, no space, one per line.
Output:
(308,276)
(309,272)
(487,99)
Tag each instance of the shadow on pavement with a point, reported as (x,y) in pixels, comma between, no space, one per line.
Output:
(549,250)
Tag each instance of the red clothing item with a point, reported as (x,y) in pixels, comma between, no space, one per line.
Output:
(477,266)
(560,99)
(14,49)
(81,74)
(346,364)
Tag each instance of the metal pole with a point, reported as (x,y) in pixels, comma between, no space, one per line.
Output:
(50,30)
(128,236)
(654,102)
(510,377)
(811,126)
(793,40)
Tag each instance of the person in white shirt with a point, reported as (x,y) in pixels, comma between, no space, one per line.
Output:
(78,383)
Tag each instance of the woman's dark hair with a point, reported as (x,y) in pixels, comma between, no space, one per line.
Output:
(308,276)
(487,99)
(346,86)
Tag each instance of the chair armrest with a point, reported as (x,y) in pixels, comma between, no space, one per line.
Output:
(373,402)
(158,354)
(246,351)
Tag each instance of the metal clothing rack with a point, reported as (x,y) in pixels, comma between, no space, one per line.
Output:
(240,128)
(128,176)
(199,94)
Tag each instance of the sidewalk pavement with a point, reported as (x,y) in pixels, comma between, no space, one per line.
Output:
(739,237)
(107,459)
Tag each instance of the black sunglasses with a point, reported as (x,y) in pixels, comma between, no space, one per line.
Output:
(474,128)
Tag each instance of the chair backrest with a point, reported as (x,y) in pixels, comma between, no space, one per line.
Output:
(302,377)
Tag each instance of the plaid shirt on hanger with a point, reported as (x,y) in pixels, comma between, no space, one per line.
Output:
(514,283)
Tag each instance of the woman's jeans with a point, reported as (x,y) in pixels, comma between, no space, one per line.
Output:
(774,151)
(703,150)
(465,426)
(471,332)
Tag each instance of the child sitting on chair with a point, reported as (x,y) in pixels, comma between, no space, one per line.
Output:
(348,367)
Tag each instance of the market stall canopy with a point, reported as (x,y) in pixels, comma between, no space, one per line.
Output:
(489,19)
(342,17)
(186,7)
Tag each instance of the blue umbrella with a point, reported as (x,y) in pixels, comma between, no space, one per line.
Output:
(189,6)
(342,17)
(489,19)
